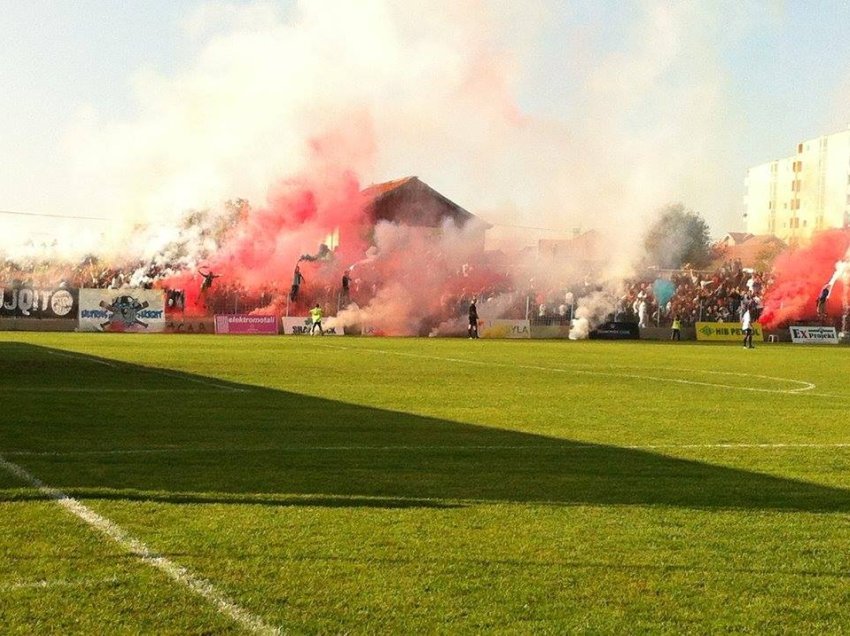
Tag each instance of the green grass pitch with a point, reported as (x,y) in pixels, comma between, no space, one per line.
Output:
(179,484)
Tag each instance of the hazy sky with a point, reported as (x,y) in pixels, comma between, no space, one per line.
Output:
(543,114)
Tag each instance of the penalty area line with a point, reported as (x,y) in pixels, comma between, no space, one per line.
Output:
(176,572)
(803,389)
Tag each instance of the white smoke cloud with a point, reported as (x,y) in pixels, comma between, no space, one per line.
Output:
(428,88)
(591,311)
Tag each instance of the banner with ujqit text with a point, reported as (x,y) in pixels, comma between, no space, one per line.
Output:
(122,310)
(243,324)
(725,331)
(22,301)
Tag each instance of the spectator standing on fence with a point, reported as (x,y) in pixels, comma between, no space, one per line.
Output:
(209,277)
(820,306)
(473,320)
(562,312)
(346,286)
(297,280)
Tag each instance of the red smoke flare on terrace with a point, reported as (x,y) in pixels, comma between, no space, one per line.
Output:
(261,250)
(800,274)
(268,242)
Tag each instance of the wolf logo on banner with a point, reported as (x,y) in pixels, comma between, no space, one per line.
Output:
(123,313)
(136,310)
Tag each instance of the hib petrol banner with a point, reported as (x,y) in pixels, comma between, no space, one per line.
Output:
(725,331)
(130,310)
(34,302)
(814,335)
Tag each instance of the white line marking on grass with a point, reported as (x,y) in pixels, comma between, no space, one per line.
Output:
(61,583)
(120,536)
(805,386)
(153,370)
(447,447)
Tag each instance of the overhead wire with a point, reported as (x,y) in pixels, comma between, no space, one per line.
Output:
(54,216)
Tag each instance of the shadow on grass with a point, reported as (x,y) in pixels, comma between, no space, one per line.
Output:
(189,439)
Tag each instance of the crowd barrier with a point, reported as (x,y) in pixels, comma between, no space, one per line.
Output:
(60,309)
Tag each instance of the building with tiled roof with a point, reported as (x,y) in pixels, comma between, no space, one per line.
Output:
(412,202)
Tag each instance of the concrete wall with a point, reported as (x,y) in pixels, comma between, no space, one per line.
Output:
(35,324)
(554,331)
(663,333)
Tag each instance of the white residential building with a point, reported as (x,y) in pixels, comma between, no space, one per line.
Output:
(809,191)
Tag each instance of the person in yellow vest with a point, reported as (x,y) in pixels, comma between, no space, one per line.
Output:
(677,328)
(316,317)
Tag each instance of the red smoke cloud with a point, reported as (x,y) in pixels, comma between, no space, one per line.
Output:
(266,243)
(418,278)
(261,249)
(404,280)
(799,276)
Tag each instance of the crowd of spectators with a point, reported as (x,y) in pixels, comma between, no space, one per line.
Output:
(88,273)
(91,273)
(653,299)
(693,296)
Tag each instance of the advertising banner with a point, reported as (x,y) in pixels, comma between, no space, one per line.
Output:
(34,302)
(616,330)
(301,326)
(503,328)
(178,324)
(122,310)
(814,335)
(726,331)
(243,324)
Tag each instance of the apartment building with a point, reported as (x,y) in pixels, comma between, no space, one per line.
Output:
(794,197)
